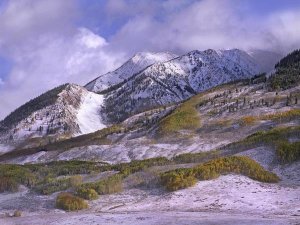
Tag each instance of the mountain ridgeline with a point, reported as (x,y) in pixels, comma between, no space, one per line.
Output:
(146,81)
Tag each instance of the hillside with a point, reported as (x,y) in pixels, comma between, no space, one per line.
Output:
(146,81)
(177,80)
(213,151)
(62,112)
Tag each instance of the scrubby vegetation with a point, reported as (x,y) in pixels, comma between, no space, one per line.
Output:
(288,152)
(87,193)
(8,184)
(17,213)
(11,176)
(109,185)
(69,202)
(138,165)
(272,138)
(114,184)
(43,177)
(283,116)
(181,178)
(51,185)
(178,179)
(46,178)
(184,117)
(247,120)
(97,138)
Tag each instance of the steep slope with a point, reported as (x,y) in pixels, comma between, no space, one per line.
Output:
(64,111)
(287,72)
(134,65)
(176,80)
(265,59)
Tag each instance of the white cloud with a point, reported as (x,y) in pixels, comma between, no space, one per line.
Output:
(211,24)
(46,47)
(45,55)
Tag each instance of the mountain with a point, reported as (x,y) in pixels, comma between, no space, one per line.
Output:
(176,80)
(265,59)
(66,111)
(218,149)
(134,65)
(146,81)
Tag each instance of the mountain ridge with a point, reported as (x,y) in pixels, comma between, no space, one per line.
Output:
(144,82)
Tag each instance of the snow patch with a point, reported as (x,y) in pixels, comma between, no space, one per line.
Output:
(89,119)
(5,148)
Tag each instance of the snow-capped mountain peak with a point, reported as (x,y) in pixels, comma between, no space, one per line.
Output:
(177,79)
(134,65)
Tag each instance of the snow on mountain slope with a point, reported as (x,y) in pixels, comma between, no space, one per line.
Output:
(134,65)
(146,81)
(5,148)
(67,110)
(176,80)
(52,113)
(88,116)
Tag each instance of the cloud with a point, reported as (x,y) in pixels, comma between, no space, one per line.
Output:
(44,58)
(48,43)
(21,21)
(210,24)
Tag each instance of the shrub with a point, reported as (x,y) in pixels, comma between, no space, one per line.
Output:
(138,165)
(247,120)
(178,180)
(8,184)
(87,193)
(52,185)
(109,185)
(283,116)
(69,202)
(11,176)
(288,152)
(75,180)
(234,164)
(17,213)
(185,177)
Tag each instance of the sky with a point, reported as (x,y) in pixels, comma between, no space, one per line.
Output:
(45,43)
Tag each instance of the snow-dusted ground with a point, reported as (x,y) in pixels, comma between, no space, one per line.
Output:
(147,218)
(230,193)
(126,151)
(231,199)
(89,119)
(5,148)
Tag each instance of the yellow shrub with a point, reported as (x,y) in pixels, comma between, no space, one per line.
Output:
(69,202)
(247,120)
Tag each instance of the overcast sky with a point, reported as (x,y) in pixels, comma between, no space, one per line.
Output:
(45,43)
